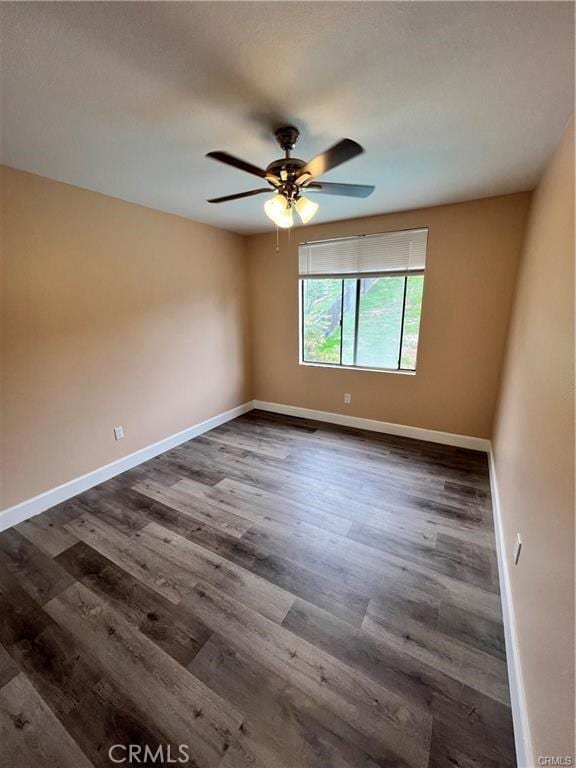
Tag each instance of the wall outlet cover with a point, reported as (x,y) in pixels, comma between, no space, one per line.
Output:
(347,398)
(118,433)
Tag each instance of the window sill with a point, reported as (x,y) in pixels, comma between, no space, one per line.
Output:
(356,368)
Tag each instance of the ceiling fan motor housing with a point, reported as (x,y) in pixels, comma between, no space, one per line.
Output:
(286,170)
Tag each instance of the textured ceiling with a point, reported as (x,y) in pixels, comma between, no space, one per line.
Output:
(452,101)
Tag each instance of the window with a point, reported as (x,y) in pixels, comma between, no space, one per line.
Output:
(361,300)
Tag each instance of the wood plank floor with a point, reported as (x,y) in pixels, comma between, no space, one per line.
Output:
(277,593)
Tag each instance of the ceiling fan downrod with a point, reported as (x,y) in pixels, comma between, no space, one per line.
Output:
(287,137)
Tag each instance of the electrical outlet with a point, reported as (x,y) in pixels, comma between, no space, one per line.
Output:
(517,548)
(118,433)
(347,398)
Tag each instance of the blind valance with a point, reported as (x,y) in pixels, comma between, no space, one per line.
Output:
(403,251)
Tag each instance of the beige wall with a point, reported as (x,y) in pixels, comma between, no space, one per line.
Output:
(473,253)
(113,314)
(534,455)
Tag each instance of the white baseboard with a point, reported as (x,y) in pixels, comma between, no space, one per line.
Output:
(26,509)
(418,433)
(523,741)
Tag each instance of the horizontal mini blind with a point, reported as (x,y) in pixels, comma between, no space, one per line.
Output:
(403,251)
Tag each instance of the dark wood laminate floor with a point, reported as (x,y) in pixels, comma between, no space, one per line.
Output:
(277,593)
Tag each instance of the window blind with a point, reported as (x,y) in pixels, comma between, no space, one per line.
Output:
(403,251)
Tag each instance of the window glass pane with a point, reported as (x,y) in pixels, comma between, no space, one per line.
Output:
(322,304)
(412,312)
(380,320)
(348,322)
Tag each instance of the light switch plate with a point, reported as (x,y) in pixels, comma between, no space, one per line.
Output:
(517,548)
(118,433)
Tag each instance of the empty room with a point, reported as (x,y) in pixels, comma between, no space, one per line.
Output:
(287,384)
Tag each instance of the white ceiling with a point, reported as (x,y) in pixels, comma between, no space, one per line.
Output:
(452,101)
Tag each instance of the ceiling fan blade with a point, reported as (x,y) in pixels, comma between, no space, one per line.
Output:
(342,151)
(252,192)
(348,190)
(242,165)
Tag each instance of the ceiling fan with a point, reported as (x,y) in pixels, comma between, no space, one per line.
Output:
(289,177)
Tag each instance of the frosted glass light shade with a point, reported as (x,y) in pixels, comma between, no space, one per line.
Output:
(279,211)
(284,219)
(306,209)
(275,206)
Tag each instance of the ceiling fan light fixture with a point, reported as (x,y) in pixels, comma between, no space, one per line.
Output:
(306,208)
(279,210)
(275,206)
(284,219)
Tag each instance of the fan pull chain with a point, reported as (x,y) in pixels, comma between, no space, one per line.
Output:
(277,240)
